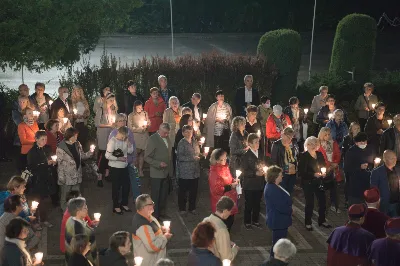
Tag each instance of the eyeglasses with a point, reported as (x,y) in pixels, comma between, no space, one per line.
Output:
(150,204)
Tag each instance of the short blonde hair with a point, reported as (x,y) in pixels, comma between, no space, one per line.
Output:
(236,121)
(173,98)
(323,131)
(353,124)
(311,141)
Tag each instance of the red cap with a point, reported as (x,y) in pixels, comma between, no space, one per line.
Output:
(357,211)
(372,195)
(392,226)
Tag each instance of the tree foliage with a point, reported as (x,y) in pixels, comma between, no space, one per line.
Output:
(39,34)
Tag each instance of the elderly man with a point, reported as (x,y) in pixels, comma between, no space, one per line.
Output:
(386,179)
(246,96)
(222,248)
(316,104)
(390,139)
(284,249)
(158,156)
(348,244)
(61,102)
(374,219)
(386,251)
(165,92)
(194,105)
(40,102)
(149,237)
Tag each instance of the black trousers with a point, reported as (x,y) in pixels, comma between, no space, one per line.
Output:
(220,142)
(229,222)
(120,181)
(159,194)
(310,189)
(362,122)
(187,186)
(83,134)
(252,200)
(23,162)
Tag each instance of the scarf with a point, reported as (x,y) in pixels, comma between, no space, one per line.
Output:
(22,246)
(29,121)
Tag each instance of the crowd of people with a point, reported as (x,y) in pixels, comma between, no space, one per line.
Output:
(258,150)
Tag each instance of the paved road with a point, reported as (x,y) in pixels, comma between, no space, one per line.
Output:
(254,244)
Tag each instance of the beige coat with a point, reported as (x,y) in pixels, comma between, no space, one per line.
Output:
(169,118)
(222,247)
(316,104)
(210,122)
(156,152)
(140,134)
(361,104)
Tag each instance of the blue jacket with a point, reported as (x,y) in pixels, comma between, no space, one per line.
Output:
(279,207)
(24,214)
(338,132)
(379,180)
(202,257)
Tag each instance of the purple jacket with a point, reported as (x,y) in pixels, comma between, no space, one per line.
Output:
(131,157)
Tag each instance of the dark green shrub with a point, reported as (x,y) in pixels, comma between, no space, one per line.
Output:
(354,47)
(282,48)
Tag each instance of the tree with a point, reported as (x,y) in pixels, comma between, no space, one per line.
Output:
(40,34)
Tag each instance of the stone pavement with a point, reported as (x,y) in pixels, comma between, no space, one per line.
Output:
(254,244)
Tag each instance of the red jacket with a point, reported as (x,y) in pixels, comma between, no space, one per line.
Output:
(219,177)
(63,223)
(271,130)
(336,157)
(26,135)
(52,140)
(152,110)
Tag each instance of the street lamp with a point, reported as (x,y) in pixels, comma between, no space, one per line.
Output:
(312,40)
(172,29)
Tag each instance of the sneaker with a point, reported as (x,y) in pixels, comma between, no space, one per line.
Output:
(100,183)
(248,226)
(258,225)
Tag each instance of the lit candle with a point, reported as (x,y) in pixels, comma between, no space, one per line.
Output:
(35,205)
(373,106)
(238,173)
(206,150)
(289,126)
(167,225)
(377,160)
(50,102)
(202,140)
(323,170)
(195,127)
(145,123)
(265,168)
(36,113)
(138,261)
(259,133)
(330,116)
(389,122)
(65,119)
(38,257)
(204,116)
(92,147)
(54,157)
(305,110)
(75,111)
(226,263)
(97,216)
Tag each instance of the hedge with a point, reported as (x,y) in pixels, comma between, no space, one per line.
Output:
(354,47)
(282,48)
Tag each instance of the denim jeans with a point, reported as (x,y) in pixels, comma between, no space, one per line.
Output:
(134,183)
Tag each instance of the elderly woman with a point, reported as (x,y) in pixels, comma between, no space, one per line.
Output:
(285,155)
(69,159)
(222,183)
(119,245)
(22,102)
(326,112)
(297,116)
(100,99)
(54,135)
(155,107)
(338,127)
(76,225)
(253,125)
(186,119)
(64,121)
(276,122)
(203,240)
(278,205)
(364,104)
(376,124)
(310,163)
(14,252)
(237,143)
(81,113)
(118,150)
(331,152)
(138,123)
(26,133)
(42,167)
(172,116)
(80,246)
(188,170)
(284,250)
(41,103)
(318,102)
(104,121)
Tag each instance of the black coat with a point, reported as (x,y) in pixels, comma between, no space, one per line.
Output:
(11,255)
(199,108)
(57,105)
(33,101)
(388,140)
(371,127)
(43,182)
(248,165)
(278,154)
(348,142)
(274,262)
(308,166)
(323,115)
(240,100)
(171,92)
(78,260)
(129,100)
(109,257)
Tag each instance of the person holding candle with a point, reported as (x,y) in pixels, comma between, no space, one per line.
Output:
(325,113)
(203,240)
(359,159)
(119,245)
(237,142)
(317,102)
(188,170)
(375,126)
(26,134)
(41,104)
(390,138)
(252,180)
(253,125)
(61,102)
(43,179)
(246,96)
(80,118)
(310,163)
(155,107)
(222,183)
(14,252)
(186,119)
(264,110)
(80,246)
(217,123)
(54,135)
(276,123)
(364,104)
(131,96)
(149,237)
(16,113)
(64,121)
(70,155)
(104,121)
(197,109)
(138,123)
(297,118)
(338,127)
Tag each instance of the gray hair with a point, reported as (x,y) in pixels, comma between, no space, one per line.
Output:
(165,126)
(165,262)
(197,95)
(247,76)
(173,98)
(284,249)
(236,121)
(323,88)
(312,141)
(75,205)
(121,116)
(337,112)
(141,201)
(161,77)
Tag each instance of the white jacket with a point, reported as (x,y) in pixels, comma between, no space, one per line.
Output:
(114,144)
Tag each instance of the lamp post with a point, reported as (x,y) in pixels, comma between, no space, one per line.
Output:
(172,29)
(312,40)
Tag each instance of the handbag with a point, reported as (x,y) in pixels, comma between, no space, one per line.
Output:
(118,153)
(26,175)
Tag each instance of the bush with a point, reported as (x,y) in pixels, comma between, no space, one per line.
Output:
(354,47)
(282,48)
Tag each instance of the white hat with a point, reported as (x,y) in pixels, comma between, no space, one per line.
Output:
(277,110)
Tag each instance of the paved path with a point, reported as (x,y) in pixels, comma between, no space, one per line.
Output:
(254,245)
